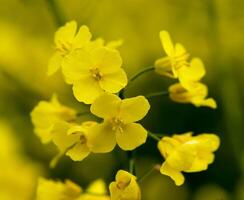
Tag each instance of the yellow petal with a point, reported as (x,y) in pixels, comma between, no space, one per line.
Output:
(167,145)
(82,37)
(97,187)
(87,90)
(192,73)
(180,52)
(210,102)
(163,67)
(101,138)
(54,63)
(201,163)
(175,175)
(114,44)
(60,136)
(106,60)
(133,135)
(106,106)
(134,109)
(124,187)
(166,43)
(66,33)
(76,65)
(78,152)
(208,141)
(114,82)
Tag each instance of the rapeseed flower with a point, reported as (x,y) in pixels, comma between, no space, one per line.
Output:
(187,153)
(119,117)
(66,40)
(176,57)
(93,72)
(71,139)
(194,93)
(125,187)
(46,114)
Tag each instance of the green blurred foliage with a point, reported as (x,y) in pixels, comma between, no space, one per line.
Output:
(210,29)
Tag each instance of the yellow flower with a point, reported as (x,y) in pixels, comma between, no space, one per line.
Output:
(56,190)
(71,139)
(93,72)
(192,73)
(195,94)
(125,187)
(118,125)
(46,114)
(66,40)
(187,153)
(95,191)
(175,59)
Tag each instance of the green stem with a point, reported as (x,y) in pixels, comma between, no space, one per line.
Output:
(155,94)
(154,136)
(57,14)
(147,69)
(130,155)
(146,174)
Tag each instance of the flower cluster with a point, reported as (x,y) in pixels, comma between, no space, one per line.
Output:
(94,69)
(189,73)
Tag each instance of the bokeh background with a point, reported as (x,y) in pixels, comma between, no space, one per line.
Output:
(210,29)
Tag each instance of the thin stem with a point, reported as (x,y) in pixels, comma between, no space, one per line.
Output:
(154,136)
(147,173)
(57,14)
(147,69)
(156,94)
(130,155)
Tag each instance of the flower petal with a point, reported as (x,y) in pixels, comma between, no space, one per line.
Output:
(78,152)
(177,176)
(76,65)
(82,37)
(101,138)
(106,60)
(60,137)
(114,82)
(66,33)
(134,109)
(106,106)
(54,63)
(87,90)
(166,43)
(133,135)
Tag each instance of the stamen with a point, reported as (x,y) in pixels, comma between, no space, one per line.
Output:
(96,74)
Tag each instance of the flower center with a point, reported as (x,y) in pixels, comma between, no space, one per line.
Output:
(64,48)
(96,74)
(117,124)
(122,184)
(82,139)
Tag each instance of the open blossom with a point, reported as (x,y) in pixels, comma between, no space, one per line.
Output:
(71,139)
(193,72)
(175,59)
(118,126)
(93,72)
(46,114)
(66,40)
(125,187)
(187,153)
(57,190)
(195,93)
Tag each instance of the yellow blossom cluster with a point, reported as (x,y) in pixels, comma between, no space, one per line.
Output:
(94,70)
(189,73)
